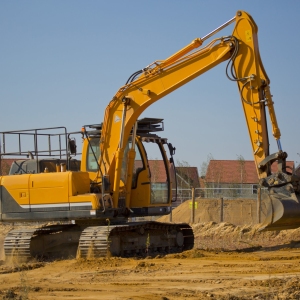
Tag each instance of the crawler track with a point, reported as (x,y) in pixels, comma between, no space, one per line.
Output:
(131,239)
(94,241)
(51,241)
(17,243)
(145,238)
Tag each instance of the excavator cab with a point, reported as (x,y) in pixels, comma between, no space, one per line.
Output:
(152,172)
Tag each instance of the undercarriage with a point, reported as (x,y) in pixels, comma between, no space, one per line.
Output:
(72,240)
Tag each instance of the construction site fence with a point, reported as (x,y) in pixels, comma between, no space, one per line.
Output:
(182,195)
(236,206)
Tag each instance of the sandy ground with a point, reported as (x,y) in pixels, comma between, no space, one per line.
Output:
(227,262)
(196,274)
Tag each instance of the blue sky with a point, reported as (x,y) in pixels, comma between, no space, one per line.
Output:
(61,63)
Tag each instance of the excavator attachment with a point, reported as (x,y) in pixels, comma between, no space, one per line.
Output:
(282,209)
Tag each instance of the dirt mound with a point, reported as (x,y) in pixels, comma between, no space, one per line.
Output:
(227,236)
(234,211)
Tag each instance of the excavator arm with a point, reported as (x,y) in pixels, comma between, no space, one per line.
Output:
(155,82)
(160,78)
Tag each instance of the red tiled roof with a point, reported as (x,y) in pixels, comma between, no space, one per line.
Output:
(158,173)
(5,165)
(188,174)
(235,171)
(297,170)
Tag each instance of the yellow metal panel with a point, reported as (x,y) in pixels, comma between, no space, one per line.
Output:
(46,188)
(49,188)
(79,183)
(140,196)
(88,198)
(18,187)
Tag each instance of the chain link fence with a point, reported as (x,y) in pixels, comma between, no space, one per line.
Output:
(182,195)
(233,205)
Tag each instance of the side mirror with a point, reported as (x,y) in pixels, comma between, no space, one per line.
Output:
(72,146)
(171,149)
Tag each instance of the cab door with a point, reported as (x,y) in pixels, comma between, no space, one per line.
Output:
(150,181)
(141,181)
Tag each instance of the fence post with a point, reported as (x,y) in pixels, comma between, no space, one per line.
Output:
(222,210)
(193,206)
(258,204)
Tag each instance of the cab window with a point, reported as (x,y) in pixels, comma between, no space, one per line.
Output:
(93,154)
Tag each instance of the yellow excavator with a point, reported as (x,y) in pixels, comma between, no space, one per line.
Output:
(91,199)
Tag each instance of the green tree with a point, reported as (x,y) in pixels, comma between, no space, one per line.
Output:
(184,174)
(241,169)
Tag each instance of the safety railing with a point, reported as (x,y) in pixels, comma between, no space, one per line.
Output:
(38,143)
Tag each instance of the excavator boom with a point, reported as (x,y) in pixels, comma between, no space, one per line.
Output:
(162,77)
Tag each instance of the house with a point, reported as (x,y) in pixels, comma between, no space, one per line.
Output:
(297,170)
(5,165)
(234,178)
(187,177)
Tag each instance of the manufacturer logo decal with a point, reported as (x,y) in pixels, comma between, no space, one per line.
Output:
(248,35)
